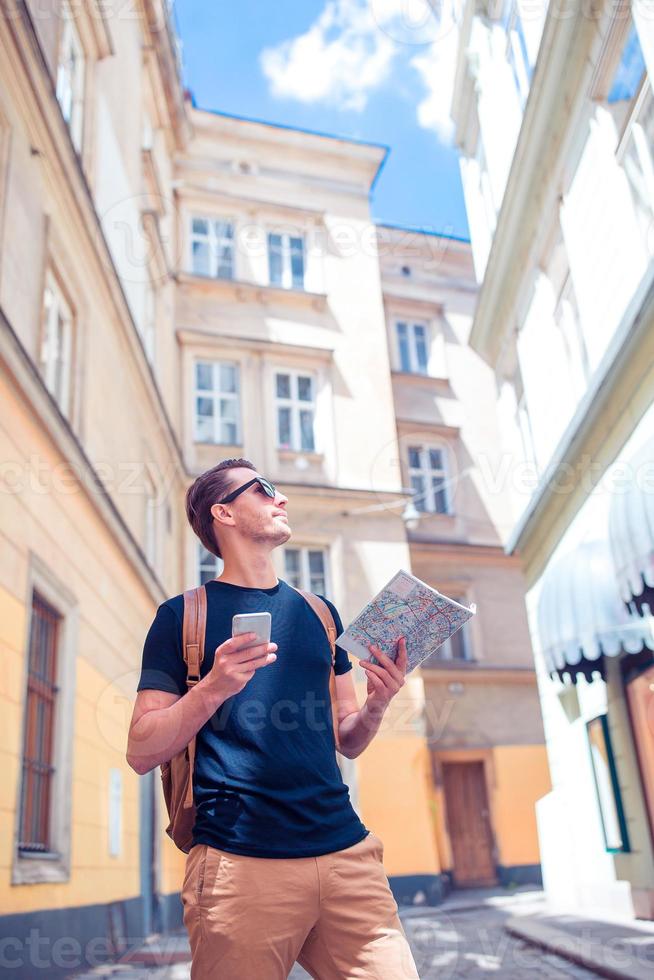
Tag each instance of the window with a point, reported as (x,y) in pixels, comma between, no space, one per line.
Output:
(412,347)
(295,399)
(457,646)
(629,73)
(516,49)
(428,476)
(148,331)
(56,345)
(212,248)
(566,315)
(637,160)
(70,76)
(485,186)
(305,568)
(209,565)
(38,768)
(606,785)
(216,396)
(286,260)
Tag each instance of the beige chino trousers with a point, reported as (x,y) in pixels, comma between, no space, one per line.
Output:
(251,918)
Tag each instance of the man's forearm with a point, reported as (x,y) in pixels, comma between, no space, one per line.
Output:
(357,730)
(163,732)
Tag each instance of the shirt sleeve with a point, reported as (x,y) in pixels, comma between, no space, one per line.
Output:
(342,662)
(163,667)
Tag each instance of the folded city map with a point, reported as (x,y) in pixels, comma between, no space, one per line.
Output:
(410,608)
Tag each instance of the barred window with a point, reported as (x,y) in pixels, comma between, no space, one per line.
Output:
(38,756)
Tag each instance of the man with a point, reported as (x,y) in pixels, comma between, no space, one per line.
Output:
(281,868)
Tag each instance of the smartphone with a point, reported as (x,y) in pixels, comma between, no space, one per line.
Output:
(259,623)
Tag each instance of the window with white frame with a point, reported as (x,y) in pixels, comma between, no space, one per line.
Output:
(286,260)
(636,156)
(516,49)
(70,76)
(428,478)
(148,329)
(295,403)
(209,566)
(412,346)
(212,247)
(485,187)
(306,568)
(456,647)
(57,345)
(217,402)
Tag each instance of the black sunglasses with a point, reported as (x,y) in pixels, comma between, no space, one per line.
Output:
(266,486)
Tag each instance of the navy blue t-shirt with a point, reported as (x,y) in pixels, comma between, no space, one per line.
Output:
(266,780)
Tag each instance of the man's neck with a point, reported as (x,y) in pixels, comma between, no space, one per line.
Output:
(250,576)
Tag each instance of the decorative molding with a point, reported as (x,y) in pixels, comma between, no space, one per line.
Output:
(243,291)
(469,672)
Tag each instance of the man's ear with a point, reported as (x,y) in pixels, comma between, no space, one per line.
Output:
(222,513)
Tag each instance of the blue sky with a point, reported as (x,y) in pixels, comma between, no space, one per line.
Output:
(347,67)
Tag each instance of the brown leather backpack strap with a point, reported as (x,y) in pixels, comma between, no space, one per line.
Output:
(323,612)
(193,633)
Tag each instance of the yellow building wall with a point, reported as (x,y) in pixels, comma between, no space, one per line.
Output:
(12,632)
(520,777)
(395,786)
(65,530)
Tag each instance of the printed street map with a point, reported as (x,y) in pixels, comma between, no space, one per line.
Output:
(405,607)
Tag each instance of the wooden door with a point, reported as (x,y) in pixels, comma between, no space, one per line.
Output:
(468,821)
(640,696)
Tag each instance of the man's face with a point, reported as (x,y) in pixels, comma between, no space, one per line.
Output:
(256,515)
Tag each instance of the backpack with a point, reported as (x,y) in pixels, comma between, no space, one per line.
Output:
(177,773)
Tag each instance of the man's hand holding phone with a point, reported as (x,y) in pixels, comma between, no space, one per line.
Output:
(236,660)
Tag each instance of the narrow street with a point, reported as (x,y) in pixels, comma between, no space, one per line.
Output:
(458,939)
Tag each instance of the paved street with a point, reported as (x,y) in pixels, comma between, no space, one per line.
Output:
(450,942)
(458,939)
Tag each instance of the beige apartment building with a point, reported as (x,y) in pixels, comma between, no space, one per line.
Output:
(179,286)
(484,731)
(91,117)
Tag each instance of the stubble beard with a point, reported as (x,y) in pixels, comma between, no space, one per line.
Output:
(276,537)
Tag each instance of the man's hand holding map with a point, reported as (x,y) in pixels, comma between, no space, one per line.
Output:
(405,607)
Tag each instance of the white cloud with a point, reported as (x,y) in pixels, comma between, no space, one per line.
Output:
(340,59)
(436,67)
(351,47)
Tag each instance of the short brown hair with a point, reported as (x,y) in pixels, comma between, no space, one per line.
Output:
(204,492)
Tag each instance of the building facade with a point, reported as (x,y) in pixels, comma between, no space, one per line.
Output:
(484,729)
(176,287)
(91,117)
(553,118)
